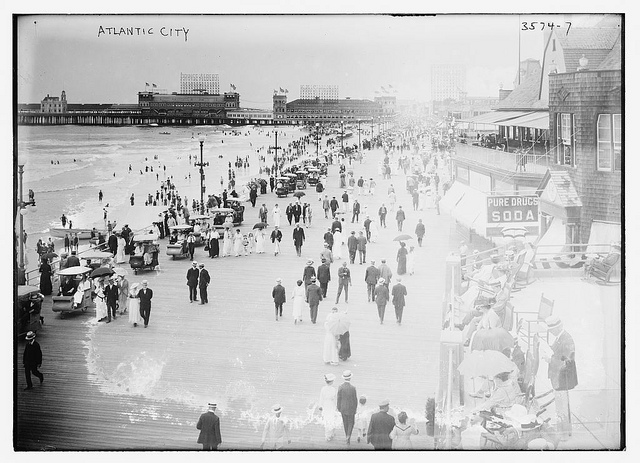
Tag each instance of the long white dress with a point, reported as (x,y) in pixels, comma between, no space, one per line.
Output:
(330,348)
(120,252)
(228,243)
(373,228)
(101,304)
(328,403)
(401,436)
(276,216)
(260,242)
(337,245)
(237,245)
(134,307)
(298,301)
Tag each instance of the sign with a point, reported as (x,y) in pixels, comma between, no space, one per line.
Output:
(512,209)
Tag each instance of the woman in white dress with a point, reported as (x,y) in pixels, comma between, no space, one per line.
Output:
(251,243)
(401,433)
(134,305)
(101,303)
(276,216)
(237,243)
(411,261)
(260,241)
(330,348)
(392,200)
(337,245)
(120,251)
(298,302)
(327,403)
(374,230)
(228,242)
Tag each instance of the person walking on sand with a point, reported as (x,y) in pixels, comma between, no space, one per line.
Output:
(145,295)
(347,404)
(276,431)
(279,297)
(209,426)
(32,359)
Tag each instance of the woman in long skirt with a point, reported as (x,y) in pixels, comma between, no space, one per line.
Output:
(101,303)
(237,243)
(374,230)
(228,243)
(411,261)
(120,250)
(260,241)
(214,246)
(330,348)
(46,287)
(402,258)
(298,302)
(345,346)
(134,305)
(252,242)
(337,245)
(123,293)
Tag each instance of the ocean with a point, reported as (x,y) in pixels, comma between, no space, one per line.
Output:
(66,166)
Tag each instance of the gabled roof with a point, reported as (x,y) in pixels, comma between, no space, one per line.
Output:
(525,96)
(595,44)
(613,61)
(567,193)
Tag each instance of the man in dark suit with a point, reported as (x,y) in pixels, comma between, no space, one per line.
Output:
(145,295)
(313,298)
(371,276)
(297,212)
(344,281)
(279,296)
(113,243)
(347,403)
(324,276)
(380,426)
(328,238)
(336,225)
(32,359)
(73,260)
(298,238)
(352,246)
(209,426)
(398,292)
(203,282)
(192,281)
(308,272)
(111,295)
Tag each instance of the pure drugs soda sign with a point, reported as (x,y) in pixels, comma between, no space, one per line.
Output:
(512,209)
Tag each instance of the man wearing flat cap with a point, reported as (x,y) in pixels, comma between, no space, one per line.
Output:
(380,426)
(562,373)
(347,404)
(209,426)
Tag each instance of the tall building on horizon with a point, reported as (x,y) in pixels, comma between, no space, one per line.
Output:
(199,83)
(448,82)
(323,92)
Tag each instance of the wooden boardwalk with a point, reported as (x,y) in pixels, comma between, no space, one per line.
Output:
(113,386)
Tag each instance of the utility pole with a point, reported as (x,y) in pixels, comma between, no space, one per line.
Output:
(22,210)
(371,144)
(276,148)
(201,164)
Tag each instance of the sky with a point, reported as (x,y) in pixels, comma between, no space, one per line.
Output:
(260,53)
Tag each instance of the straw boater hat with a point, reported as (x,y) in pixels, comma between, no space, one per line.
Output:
(346,375)
(213,404)
(278,280)
(329,377)
(553,321)
(313,279)
(30,335)
(276,408)
(380,281)
(309,262)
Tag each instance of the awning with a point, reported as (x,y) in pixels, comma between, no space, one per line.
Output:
(603,233)
(538,120)
(471,210)
(554,239)
(454,194)
(496,117)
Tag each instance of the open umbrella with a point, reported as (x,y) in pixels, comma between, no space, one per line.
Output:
(403,238)
(299,194)
(24,290)
(95,254)
(486,363)
(120,271)
(514,232)
(75,270)
(338,324)
(260,225)
(50,255)
(101,271)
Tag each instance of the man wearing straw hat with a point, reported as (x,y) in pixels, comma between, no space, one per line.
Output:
(562,373)
(347,404)
(32,359)
(276,430)
(209,426)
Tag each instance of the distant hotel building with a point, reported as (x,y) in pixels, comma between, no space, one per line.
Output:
(448,82)
(308,111)
(199,83)
(196,105)
(323,92)
(53,104)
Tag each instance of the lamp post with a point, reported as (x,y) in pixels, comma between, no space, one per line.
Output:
(276,148)
(371,144)
(342,137)
(24,207)
(201,164)
(317,139)
(359,146)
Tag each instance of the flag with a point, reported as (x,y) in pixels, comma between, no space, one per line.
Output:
(146,84)
(286,90)
(154,85)
(281,90)
(390,86)
(233,86)
(275,91)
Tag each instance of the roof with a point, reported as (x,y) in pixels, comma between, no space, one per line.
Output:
(525,96)
(595,44)
(567,193)
(613,61)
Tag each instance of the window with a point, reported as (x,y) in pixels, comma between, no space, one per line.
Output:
(565,131)
(609,142)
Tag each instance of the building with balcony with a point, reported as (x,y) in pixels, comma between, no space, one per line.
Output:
(179,105)
(318,110)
